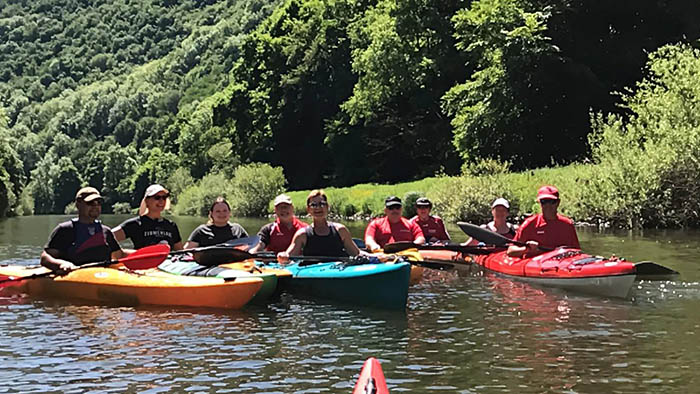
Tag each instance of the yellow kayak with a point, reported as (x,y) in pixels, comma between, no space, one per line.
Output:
(148,287)
(252,268)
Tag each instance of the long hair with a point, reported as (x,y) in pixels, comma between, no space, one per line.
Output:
(211,208)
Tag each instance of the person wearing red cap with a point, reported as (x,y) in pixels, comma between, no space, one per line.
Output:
(277,236)
(548,229)
(81,240)
(392,228)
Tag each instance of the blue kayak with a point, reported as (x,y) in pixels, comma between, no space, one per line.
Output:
(383,285)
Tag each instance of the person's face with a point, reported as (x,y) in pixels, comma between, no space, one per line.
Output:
(317,207)
(284,211)
(423,211)
(90,209)
(156,203)
(549,206)
(393,213)
(499,213)
(220,214)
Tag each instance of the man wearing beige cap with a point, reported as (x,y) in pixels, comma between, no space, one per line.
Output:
(277,236)
(83,239)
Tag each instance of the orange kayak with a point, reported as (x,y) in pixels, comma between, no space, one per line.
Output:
(148,287)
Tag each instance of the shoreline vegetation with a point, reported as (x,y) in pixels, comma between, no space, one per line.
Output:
(644,169)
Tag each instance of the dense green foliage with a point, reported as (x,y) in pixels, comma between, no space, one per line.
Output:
(120,94)
(249,192)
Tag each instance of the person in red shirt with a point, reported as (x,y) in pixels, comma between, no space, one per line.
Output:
(547,229)
(392,228)
(277,236)
(432,226)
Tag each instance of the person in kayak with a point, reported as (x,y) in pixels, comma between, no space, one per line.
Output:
(218,229)
(548,229)
(322,238)
(392,227)
(500,209)
(277,236)
(83,239)
(150,228)
(432,226)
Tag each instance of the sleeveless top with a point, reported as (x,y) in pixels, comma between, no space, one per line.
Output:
(511,229)
(324,245)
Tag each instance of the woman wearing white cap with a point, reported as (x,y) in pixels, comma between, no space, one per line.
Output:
(500,208)
(150,228)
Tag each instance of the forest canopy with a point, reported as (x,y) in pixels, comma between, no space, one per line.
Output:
(120,94)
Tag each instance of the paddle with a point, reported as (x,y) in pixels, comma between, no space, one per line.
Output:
(228,255)
(648,270)
(144,258)
(239,243)
(399,246)
(491,238)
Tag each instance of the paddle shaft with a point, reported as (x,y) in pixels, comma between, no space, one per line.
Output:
(489,237)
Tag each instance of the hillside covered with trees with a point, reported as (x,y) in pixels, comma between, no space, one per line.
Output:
(119,94)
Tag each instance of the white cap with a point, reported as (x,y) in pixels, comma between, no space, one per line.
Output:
(500,201)
(282,199)
(154,189)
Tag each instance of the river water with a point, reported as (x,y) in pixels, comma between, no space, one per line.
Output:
(459,334)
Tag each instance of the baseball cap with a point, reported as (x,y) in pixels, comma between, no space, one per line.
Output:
(547,193)
(282,199)
(423,201)
(88,194)
(500,201)
(154,189)
(392,201)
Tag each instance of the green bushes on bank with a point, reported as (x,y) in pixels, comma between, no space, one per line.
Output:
(249,192)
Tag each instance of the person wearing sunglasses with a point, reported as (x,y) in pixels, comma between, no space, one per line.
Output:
(83,239)
(322,238)
(547,229)
(500,209)
(150,228)
(277,236)
(218,229)
(432,226)
(392,227)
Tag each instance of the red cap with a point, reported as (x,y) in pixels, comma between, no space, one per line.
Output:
(547,192)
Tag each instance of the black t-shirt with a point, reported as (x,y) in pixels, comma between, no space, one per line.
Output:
(144,231)
(82,243)
(209,234)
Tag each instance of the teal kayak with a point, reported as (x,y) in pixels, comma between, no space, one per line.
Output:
(383,285)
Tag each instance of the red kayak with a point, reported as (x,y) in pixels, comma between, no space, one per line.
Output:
(571,269)
(371,380)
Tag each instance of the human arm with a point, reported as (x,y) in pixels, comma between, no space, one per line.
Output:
(348,243)
(294,248)
(418,237)
(50,259)
(264,235)
(371,244)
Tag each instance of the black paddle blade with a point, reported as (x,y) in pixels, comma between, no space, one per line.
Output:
(242,243)
(215,255)
(648,270)
(485,235)
(399,246)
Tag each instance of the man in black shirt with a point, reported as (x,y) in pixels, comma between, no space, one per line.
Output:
(83,239)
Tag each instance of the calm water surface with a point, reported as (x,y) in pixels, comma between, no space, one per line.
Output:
(459,334)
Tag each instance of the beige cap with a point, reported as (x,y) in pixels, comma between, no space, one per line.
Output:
(150,192)
(88,194)
(282,199)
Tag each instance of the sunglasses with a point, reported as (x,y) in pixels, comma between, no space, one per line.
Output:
(319,204)
(160,197)
(93,203)
(394,207)
(548,201)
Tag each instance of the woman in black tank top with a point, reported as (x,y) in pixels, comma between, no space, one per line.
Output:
(322,238)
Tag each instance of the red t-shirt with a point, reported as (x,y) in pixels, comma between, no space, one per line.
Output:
(278,237)
(553,233)
(384,232)
(432,228)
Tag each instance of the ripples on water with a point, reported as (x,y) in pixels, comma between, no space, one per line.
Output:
(459,334)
